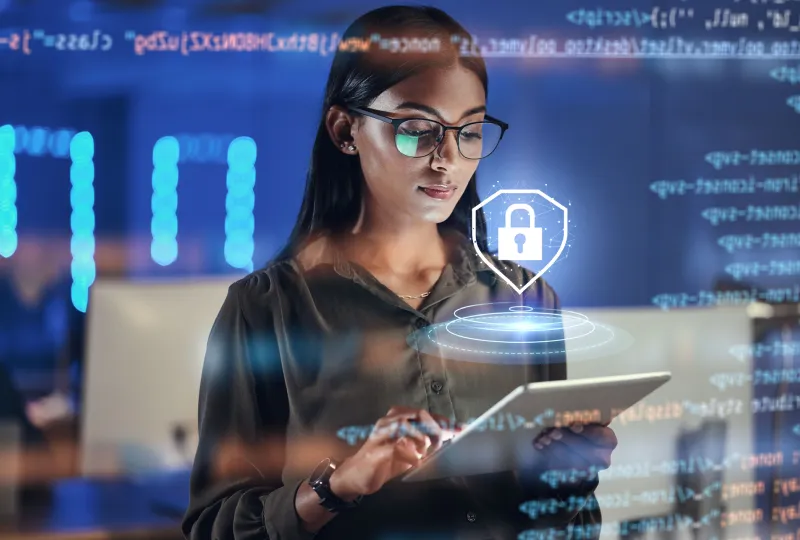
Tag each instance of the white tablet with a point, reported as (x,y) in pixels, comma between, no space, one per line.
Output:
(501,438)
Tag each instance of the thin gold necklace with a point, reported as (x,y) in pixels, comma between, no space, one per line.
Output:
(410,297)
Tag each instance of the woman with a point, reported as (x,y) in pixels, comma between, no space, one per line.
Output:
(316,341)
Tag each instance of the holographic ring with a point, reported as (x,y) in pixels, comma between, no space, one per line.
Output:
(528,353)
(521,342)
(543,311)
(477,321)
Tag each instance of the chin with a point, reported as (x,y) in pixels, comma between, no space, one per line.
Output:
(436,215)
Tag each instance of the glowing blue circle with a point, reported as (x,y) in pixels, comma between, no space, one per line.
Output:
(164,251)
(164,225)
(85,270)
(82,196)
(7,139)
(518,336)
(165,178)
(80,245)
(80,296)
(240,199)
(166,151)
(241,178)
(164,203)
(8,164)
(82,221)
(9,242)
(242,153)
(8,191)
(81,147)
(239,253)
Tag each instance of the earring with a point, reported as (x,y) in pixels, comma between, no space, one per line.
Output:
(352,148)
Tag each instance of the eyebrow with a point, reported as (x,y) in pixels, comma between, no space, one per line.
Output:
(434,112)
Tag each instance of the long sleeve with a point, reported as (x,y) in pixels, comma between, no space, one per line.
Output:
(236,492)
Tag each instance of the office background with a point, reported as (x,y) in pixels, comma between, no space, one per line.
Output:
(670,129)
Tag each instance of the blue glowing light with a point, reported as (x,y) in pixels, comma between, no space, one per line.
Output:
(81,196)
(510,333)
(8,193)
(239,203)
(40,141)
(164,203)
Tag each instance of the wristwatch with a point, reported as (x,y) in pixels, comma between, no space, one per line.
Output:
(320,483)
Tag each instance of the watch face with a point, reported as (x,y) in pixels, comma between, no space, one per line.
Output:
(320,470)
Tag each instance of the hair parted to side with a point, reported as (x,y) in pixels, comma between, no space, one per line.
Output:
(334,185)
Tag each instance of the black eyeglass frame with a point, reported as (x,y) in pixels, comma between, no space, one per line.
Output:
(396,122)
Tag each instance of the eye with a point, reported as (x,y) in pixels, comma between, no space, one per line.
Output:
(418,129)
(471,136)
(472,132)
(417,133)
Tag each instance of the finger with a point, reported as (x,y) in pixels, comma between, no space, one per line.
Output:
(386,429)
(398,430)
(392,423)
(546,439)
(411,431)
(401,410)
(547,432)
(597,435)
(430,427)
(389,418)
(406,452)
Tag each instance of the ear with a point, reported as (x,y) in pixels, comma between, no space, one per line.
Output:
(341,126)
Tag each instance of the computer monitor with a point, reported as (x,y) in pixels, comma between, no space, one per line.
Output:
(144,356)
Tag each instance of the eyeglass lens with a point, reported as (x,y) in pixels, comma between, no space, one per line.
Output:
(418,138)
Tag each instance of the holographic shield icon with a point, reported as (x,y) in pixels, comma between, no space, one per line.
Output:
(521,243)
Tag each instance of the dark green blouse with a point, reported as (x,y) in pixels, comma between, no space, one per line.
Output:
(296,357)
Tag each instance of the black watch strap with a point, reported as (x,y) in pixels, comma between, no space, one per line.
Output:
(320,483)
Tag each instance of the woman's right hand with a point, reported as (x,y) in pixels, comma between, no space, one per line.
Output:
(398,442)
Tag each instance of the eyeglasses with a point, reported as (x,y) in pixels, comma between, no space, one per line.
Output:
(420,137)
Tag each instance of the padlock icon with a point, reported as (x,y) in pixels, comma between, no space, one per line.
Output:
(519,243)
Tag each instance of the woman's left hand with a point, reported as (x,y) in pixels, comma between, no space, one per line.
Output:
(579,446)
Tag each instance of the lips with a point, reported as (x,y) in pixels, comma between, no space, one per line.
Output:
(440,192)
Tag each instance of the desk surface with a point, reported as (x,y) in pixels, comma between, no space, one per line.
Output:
(105,509)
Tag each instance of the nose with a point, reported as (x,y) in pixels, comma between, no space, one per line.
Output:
(447,152)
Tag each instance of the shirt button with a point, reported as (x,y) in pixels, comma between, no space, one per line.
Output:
(471,517)
(437,386)
(421,323)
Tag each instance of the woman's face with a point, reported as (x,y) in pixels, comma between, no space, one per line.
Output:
(403,189)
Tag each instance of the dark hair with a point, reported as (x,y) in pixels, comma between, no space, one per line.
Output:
(334,186)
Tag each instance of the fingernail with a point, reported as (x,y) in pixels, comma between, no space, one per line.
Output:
(545,440)
(556,434)
(577,428)
(538,446)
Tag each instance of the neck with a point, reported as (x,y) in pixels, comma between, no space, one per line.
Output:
(404,249)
